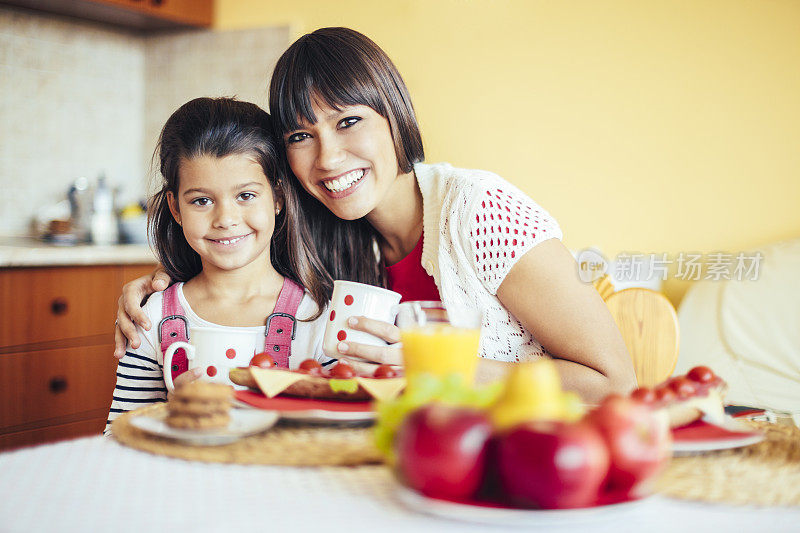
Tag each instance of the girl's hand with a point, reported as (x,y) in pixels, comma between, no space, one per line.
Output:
(184,379)
(374,354)
(129,310)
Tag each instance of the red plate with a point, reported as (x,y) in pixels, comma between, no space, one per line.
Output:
(702,436)
(309,409)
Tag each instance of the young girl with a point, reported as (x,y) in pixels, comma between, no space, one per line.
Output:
(227,229)
(465,237)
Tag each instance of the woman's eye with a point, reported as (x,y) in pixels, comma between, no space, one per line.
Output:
(349,121)
(296,137)
(201,201)
(247,196)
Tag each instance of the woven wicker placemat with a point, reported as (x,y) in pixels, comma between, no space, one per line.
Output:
(767,473)
(292,445)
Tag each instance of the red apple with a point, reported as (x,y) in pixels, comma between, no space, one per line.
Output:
(441,450)
(638,441)
(262,360)
(552,465)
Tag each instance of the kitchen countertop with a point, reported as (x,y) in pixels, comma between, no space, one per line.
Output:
(29,252)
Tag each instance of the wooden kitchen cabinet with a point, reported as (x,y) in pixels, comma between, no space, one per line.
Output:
(57,371)
(137,14)
(47,304)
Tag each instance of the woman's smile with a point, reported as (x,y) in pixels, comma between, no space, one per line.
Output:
(345,184)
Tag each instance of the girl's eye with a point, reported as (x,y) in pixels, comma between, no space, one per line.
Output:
(201,201)
(247,196)
(349,121)
(296,137)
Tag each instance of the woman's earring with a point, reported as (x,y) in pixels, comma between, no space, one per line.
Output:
(277,211)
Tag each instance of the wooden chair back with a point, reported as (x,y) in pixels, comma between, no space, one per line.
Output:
(649,327)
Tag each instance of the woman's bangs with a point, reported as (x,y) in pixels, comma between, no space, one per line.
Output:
(324,81)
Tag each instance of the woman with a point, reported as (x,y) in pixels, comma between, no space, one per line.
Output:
(434,232)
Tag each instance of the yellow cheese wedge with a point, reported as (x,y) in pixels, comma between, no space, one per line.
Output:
(383,389)
(273,382)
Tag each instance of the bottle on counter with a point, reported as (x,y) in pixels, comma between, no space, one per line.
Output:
(80,203)
(103,227)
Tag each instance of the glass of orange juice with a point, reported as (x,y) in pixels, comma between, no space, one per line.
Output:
(437,342)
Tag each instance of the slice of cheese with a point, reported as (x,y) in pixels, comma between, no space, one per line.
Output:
(383,389)
(273,382)
(711,406)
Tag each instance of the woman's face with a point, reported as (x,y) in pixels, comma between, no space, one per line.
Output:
(346,160)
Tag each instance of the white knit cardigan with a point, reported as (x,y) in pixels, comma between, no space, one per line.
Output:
(475,227)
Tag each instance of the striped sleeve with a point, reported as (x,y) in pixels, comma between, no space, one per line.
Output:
(140,381)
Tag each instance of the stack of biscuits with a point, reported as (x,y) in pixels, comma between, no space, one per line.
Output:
(200,405)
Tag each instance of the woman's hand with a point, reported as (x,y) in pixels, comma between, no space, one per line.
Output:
(129,309)
(354,351)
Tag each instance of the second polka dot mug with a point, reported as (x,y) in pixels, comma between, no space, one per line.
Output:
(357,299)
(215,351)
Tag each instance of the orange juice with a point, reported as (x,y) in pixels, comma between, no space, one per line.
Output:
(441,349)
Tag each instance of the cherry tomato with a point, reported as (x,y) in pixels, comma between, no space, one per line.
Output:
(343,371)
(665,394)
(683,387)
(310,366)
(701,374)
(385,371)
(644,395)
(262,360)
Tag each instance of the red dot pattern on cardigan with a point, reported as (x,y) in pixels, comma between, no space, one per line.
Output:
(503,225)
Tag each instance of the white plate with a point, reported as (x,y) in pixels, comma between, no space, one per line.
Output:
(511,517)
(722,442)
(243,422)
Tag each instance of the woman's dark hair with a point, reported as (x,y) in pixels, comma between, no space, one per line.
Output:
(340,67)
(219,127)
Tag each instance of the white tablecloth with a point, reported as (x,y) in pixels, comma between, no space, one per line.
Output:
(96,484)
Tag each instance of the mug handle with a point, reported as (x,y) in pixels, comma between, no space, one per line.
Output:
(168,361)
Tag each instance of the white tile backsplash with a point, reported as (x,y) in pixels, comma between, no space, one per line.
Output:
(79,98)
(59,98)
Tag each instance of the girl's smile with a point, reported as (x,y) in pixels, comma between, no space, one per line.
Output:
(230,243)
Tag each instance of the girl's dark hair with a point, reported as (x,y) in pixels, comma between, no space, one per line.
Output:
(340,67)
(219,127)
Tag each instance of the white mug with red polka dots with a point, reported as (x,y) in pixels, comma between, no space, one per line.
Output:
(215,351)
(357,299)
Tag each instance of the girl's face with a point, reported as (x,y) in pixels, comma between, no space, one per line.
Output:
(346,160)
(227,210)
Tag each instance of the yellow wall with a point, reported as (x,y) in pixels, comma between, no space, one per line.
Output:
(643,126)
